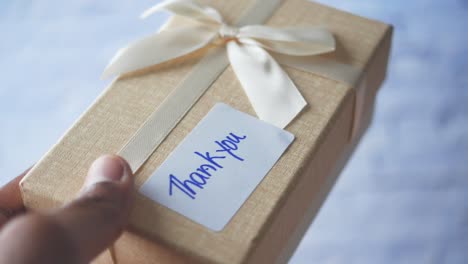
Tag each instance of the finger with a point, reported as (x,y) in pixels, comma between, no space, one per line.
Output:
(82,229)
(10,199)
(101,212)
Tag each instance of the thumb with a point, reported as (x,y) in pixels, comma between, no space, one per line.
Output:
(79,231)
(99,214)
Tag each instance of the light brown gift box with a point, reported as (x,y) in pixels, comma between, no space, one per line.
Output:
(270,224)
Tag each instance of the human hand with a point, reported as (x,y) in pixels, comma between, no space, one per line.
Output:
(74,233)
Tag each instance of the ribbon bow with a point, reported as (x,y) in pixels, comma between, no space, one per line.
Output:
(271,92)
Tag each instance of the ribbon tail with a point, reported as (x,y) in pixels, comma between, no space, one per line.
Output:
(159,48)
(271,92)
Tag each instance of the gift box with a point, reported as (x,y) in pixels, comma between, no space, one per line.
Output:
(339,88)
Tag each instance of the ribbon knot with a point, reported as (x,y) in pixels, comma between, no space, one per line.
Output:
(228,32)
(271,92)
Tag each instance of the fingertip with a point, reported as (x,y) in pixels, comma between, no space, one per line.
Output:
(108,168)
(128,173)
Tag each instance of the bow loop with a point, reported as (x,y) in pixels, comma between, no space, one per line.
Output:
(155,49)
(305,41)
(188,9)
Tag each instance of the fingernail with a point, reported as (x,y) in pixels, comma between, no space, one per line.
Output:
(107,168)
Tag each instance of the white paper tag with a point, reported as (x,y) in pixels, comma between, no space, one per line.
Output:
(217,166)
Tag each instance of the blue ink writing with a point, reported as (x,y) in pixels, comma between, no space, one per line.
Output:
(200,176)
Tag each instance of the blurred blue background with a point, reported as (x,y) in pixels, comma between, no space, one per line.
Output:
(403,198)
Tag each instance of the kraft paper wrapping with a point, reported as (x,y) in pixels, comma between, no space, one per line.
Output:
(271,222)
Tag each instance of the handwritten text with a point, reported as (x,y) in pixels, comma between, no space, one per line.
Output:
(199,177)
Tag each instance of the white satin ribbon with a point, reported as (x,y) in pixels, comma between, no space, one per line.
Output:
(271,92)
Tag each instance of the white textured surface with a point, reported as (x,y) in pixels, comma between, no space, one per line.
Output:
(402,199)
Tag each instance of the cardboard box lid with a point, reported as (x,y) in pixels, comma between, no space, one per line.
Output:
(124,106)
